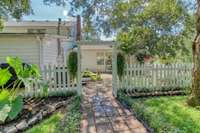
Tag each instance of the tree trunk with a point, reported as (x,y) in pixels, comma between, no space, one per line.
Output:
(194,99)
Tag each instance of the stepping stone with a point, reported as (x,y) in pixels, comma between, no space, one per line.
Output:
(104,128)
(119,124)
(102,120)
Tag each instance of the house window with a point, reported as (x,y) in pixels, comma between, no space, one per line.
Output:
(100,58)
(108,58)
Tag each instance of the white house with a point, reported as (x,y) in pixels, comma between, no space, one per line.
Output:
(96,55)
(38,42)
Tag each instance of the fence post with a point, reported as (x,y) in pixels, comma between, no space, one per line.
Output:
(114,71)
(79,82)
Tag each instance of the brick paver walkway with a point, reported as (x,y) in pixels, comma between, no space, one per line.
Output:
(103,114)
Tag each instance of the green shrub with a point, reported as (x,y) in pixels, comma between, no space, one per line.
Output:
(72,64)
(87,73)
(120,65)
(93,76)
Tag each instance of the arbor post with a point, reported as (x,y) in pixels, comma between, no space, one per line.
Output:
(79,81)
(114,70)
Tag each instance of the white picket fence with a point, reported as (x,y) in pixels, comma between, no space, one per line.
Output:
(56,78)
(155,77)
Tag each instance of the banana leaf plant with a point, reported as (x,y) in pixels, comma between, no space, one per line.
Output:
(11,103)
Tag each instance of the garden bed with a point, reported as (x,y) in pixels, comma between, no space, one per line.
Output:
(165,114)
(144,92)
(34,111)
(65,120)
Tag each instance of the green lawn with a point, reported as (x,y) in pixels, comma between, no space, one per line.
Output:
(165,114)
(66,120)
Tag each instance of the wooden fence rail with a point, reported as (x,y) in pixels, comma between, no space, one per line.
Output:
(155,77)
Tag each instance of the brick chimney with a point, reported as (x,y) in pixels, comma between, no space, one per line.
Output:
(78,32)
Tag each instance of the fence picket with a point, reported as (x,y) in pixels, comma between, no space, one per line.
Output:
(156,77)
(57,78)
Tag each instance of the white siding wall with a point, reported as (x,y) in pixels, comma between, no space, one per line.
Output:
(50,51)
(89,59)
(25,47)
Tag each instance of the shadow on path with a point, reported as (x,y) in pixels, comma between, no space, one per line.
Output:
(103,114)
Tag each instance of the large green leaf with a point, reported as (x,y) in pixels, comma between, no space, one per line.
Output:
(16,63)
(35,70)
(4,96)
(4,112)
(4,105)
(16,107)
(5,75)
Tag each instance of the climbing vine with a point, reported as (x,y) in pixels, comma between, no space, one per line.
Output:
(120,65)
(72,64)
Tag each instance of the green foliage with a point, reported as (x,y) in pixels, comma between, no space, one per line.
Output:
(4,105)
(87,73)
(109,16)
(67,121)
(4,111)
(93,76)
(73,117)
(4,76)
(23,71)
(120,65)
(50,125)
(10,105)
(157,28)
(45,89)
(72,64)
(14,8)
(16,107)
(165,114)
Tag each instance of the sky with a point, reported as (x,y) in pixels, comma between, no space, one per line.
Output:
(52,12)
(45,12)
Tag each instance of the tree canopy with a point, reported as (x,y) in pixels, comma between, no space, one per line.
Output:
(143,27)
(156,28)
(14,8)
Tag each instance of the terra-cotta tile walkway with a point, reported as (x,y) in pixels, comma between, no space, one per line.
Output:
(103,114)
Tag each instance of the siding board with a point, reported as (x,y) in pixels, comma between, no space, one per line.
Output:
(25,47)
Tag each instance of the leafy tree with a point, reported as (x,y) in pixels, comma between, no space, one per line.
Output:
(144,27)
(157,27)
(14,8)
(95,13)
(194,100)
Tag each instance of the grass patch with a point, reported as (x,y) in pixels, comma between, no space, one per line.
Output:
(67,121)
(165,114)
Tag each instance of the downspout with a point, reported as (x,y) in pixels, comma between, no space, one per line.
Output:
(41,58)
